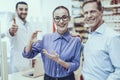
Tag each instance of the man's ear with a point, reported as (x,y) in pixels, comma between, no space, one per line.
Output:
(102,9)
(69,18)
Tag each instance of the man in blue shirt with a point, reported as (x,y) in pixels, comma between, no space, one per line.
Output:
(102,50)
(60,51)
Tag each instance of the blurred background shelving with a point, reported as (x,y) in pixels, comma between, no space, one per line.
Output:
(112,14)
(78,20)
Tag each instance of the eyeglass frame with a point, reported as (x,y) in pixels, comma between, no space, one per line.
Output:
(67,17)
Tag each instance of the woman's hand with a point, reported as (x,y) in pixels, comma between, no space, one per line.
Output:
(53,56)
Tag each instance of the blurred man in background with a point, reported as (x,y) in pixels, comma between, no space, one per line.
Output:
(19,33)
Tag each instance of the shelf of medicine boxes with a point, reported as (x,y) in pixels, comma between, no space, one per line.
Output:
(79,28)
(78,20)
(76,8)
(112,15)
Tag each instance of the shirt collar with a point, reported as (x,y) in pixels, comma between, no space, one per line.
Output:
(65,36)
(100,29)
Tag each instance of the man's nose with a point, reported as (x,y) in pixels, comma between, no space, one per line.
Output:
(24,11)
(89,14)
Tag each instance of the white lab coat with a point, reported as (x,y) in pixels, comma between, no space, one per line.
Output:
(17,44)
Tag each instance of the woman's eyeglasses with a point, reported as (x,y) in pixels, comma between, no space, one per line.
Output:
(64,18)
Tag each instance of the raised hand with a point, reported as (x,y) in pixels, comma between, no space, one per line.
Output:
(34,36)
(32,40)
(14,28)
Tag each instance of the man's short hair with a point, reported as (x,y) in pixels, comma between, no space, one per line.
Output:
(21,2)
(61,7)
(100,8)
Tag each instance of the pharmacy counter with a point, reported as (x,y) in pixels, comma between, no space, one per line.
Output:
(19,76)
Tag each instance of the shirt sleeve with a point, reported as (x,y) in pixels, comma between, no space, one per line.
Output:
(114,52)
(74,65)
(9,24)
(36,48)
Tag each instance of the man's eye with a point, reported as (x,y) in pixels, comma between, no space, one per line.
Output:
(85,12)
(93,11)
(20,9)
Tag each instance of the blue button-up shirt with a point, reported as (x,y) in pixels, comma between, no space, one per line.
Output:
(68,49)
(102,55)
